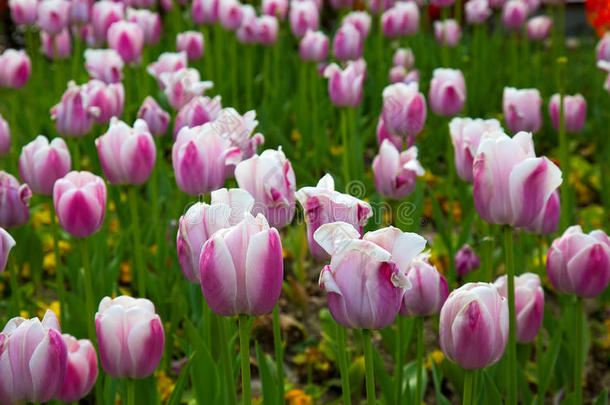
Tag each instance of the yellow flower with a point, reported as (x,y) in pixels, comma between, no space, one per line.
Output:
(125,273)
(64,247)
(49,263)
(53,306)
(25,270)
(153,249)
(295,135)
(113,225)
(165,385)
(336,150)
(41,217)
(24,314)
(298,397)
(437,356)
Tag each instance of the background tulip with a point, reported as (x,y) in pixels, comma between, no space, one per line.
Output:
(148,21)
(447,93)
(477,11)
(104,13)
(303,17)
(190,42)
(80,12)
(402,19)
(347,43)
(396,140)
(345,86)
(204,11)
(574,110)
(521,108)
(602,48)
(14,201)
(247,32)
(73,115)
(514,13)
(56,46)
(15,68)
(267,30)
(314,46)
(53,16)
(23,12)
(239,129)
(156,118)
(127,38)
(447,32)
(404,109)
(230,14)
(428,290)
(81,369)
(182,86)
(197,112)
(466,260)
(6,244)
(395,172)
(276,8)
(104,64)
(168,62)
(403,57)
(41,163)
(5,137)
(109,99)
(538,27)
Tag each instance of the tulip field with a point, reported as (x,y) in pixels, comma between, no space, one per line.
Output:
(300,202)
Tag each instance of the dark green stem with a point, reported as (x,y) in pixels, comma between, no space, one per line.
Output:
(539,368)
(512,347)
(398,367)
(227,358)
(369,366)
(244,349)
(346,147)
(15,295)
(131,392)
(579,350)
(59,273)
(420,359)
(137,252)
(343,366)
(566,212)
(468,387)
(279,352)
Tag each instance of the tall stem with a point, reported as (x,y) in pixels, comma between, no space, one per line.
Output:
(279,352)
(227,359)
(468,387)
(131,392)
(317,137)
(420,359)
(346,147)
(234,77)
(514,46)
(450,191)
(244,349)
(511,348)
(579,346)
(15,296)
(137,252)
(566,212)
(368,364)
(488,252)
(444,47)
(249,80)
(539,368)
(398,368)
(343,369)
(59,274)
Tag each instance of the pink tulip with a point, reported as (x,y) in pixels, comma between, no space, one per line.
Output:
(579,263)
(53,16)
(6,244)
(80,12)
(241,268)
(538,28)
(148,21)
(74,115)
(404,109)
(400,20)
(447,92)
(514,13)
(127,38)
(104,64)
(14,201)
(81,369)
(345,86)
(303,17)
(447,32)
(477,11)
(442,3)
(205,11)
(466,135)
(529,304)
(521,109)
(104,13)
(379,6)
(341,4)
(15,68)
(314,46)
(347,43)
(267,30)
(512,186)
(56,46)
(190,42)
(24,12)
(428,290)
(168,62)
(156,118)
(396,172)
(197,112)
(532,5)
(247,32)
(239,130)
(323,205)
(275,8)
(201,221)
(574,110)
(605,66)
(473,327)
(80,203)
(130,337)
(466,260)
(365,281)
(41,163)
(144,3)
(108,98)
(200,157)
(396,140)
(33,360)
(602,48)
(182,86)
(403,57)
(230,14)
(497,3)
(269,178)
(5,137)
(397,74)
(361,20)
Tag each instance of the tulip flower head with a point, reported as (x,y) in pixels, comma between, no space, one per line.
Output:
(275,8)
(104,13)
(345,85)
(396,172)
(404,109)
(104,64)
(347,43)
(538,27)
(15,68)
(400,20)
(127,38)
(109,99)
(81,369)
(477,11)
(148,21)
(314,46)
(168,62)
(42,162)
(447,32)
(182,86)
(53,16)
(6,244)
(58,46)
(156,118)
(303,17)
(197,112)
(428,290)
(5,137)
(359,19)
(205,11)
(239,130)
(466,260)
(14,201)
(447,93)
(574,111)
(514,13)
(521,108)
(23,12)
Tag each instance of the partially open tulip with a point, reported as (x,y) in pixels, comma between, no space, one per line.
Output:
(521,109)
(345,85)
(579,263)
(104,64)
(538,27)
(512,186)
(148,21)
(359,19)
(303,17)
(156,118)
(466,135)
(466,260)
(23,12)
(247,32)
(15,68)
(447,92)
(313,46)
(168,62)
(242,269)
(130,337)
(109,99)
(447,32)
(73,115)
(428,290)
(514,13)
(477,11)
(396,172)
(41,163)
(5,137)
(323,205)
(104,13)
(403,57)
(602,49)
(267,30)
(81,369)
(205,11)
(365,281)
(190,42)
(53,16)
(402,19)
(127,38)
(80,203)
(574,110)
(404,109)
(397,74)
(275,8)
(182,86)
(6,244)
(347,43)
(473,327)
(14,201)
(230,14)
(529,304)
(56,46)
(239,130)
(269,178)
(396,140)
(197,112)
(33,359)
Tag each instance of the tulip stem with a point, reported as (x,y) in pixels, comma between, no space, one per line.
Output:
(59,274)
(14,274)
(279,352)
(266,75)
(227,356)
(345,142)
(131,392)
(399,358)
(244,349)
(234,77)
(420,360)
(488,252)
(368,364)
(444,47)
(511,348)
(566,212)
(248,74)
(88,287)
(317,137)
(468,387)
(579,347)
(342,360)
(137,252)
(451,275)
(514,45)
(539,368)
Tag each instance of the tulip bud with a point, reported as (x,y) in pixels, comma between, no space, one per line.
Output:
(41,163)
(5,137)
(602,49)
(447,32)
(148,21)
(182,86)
(466,260)
(521,109)
(15,68)
(53,16)
(314,46)
(190,42)
(108,98)
(81,369)
(267,30)
(447,92)
(361,20)
(104,64)
(538,28)
(205,11)
(345,86)
(197,112)
(574,110)
(74,115)
(127,38)
(247,32)
(347,43)
(396,140)
(514,13)
(23,12)
(130,337)
(104,13)
(6,244)
(275,8)
(56,46)
(400,20)
(404,109)
(80,12)
(428,290)
(529,304)
(14,201)
(156,118)
(403,57)
(230,14)
(239,130)
(395,172)
(477,11)
(579,263)
(168,62)
(80,203)
(304,16)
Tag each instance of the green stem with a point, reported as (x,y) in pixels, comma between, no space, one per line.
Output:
(279,352)
(227,358)
(234,77)
(511,348)
(343,368)
(579,347)
(514,46)
(218,47)
(207,60)
(15,295)
(488,253)
(346,147)
(266,75)
(450,191)
(420,360)
(566,212)
(137,252)
(399,358)
(539,368)
(458,11)
(444,48)
(131,392)
(368,364)
(59,274)
(248,74)
(317,137)
(244,349)
(468,387)
(154,196)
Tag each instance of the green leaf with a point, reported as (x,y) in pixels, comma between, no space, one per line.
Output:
(548,362)
(437,378)
(383,379)
(146,391)
(176,396)
(268,383)
(491,394)
(602,399)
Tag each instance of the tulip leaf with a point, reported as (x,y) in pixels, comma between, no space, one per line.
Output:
(439,219)
(383,379)
(146,391)
(491,394)
(176,396)
(523,386)
(437,378)
(602,399)
(268,383)
(548,362)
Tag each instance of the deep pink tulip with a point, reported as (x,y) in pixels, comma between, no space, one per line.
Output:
(108,98)
(74,115)
(80,12)
(205,11)
(197,112)
(466,260)
(15,68)
(514,13)
(602,49)
(42,162)
(14,201)
(248,30)
(404,109)
(81,369)
(579,263)
(347,43)
(477,11)
(24,12)
(80,203)
(402,19)
(239,129)
(56,46)
(314,46)
(168,62)
(127,38)
(521,109)
(6,244)
(428,290)
(268,27)
(104,64)
(156,118)
(396,140)
(230,13)
(130,337)
(148,21)
(345,85)
(538,27)
(323,205)
(182,86)
(5,137)
(361,20)
(104,13)
(190,42)
(275,8)
(529,304)
(403,57)
(303,17)
(396,172)
(447,32)
(53,16)
(473,327)
(574,110)
(447,92)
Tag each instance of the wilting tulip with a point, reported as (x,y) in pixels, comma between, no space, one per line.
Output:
(14,201)
(156,118)
(477,11)
(205,11)
(267,30)
(514,13)
(579,263)
(538,27)
(33,359)
(104,64)
(574,110)
(15,68)
(104,13)
(404,109)
(314,46)
(5,137)
(466,134)
(53,16)
(428,290)
(6,244)
(473,327)
(190,42)
(396,172)
(130,337)
(323,205)
(197,112)
(239,130)
(403,57)
(345,86)
(275,8)
(447,32)
(200,157)
(402,19)
(80,203)
(396,140)
(602,49)
(108,98)
(56,46)
(512,186)
(347,43)
(365,281)
(447,92)
(521,109)
(168,62)
(41,163)
(269,178)
(127,38)
(182,86)
(148,21)
(359,19)
(303,17)
(230,14)
(201,221)
(23,12)
(247,32)
(466,260)
(73,115)
(529,304)
(81,369)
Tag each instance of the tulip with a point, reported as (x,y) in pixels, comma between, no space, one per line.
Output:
(127,38)
(466,135)
(80,12)
(442,3)
(403,57)
(361,20)
(190,42)
(397,74)
(532,5)
(379,6)
(347,43)
(395,172)
(156,118)
(579,263)
(182,86)
(33,360)
(41,163)
(144,3)
(269,178)
(149,22)
(512,186)
(104,64)
(466,260)
(602,49)
(73,115)
(5,137)
(80,203)
(108,98)
(514,13)
(197,112)
(402,19)
(168,62)
(130,337)
(247,32)
(323,205)
(303,17)
(6,244)
(313,46)
(497,3)
(447,32)
(200,157)
(267,30)
(275,8)
(396,140)
(81,369)
(447,92)
(522,109)
(239,130)
(473,327)
(574,110)
(365,281)
(14,201)
(201,221)
(205,11)
(529,304)
(538,28)
(477,11)
(56,46)
(15,68)
(341,4)
(104,13)
(230,14)
(428,290)
(605,66)
(345,86)
(404,109)
(53,16)
(23,12)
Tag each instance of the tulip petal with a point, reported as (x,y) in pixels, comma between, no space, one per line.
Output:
(264,271)
(218,277)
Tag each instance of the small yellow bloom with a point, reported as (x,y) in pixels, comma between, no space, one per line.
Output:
(298,397)
(125,273)
(336,150)
(437,356)
(113,225)
(64,247)
(165,385)
(295,135)
(25,270)
(41,217)
(111,206)
(153,249)
(49,263)
(53,306)
(24,314)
